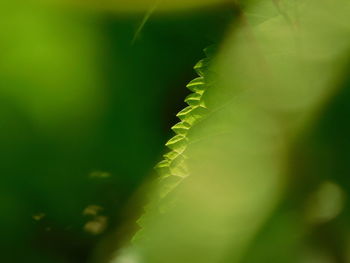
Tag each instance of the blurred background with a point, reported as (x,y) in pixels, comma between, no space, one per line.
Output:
(87,99)
(90,89)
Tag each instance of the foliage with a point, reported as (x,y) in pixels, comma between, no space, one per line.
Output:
(258,167)
(272,79)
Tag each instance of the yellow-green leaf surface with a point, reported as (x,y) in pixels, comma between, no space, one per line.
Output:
(271,79)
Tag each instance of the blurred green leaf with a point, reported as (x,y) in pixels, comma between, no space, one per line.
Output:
(271,81)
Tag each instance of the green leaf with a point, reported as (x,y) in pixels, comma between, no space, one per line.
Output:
(270,81)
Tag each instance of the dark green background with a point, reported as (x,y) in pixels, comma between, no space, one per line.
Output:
(48,172)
